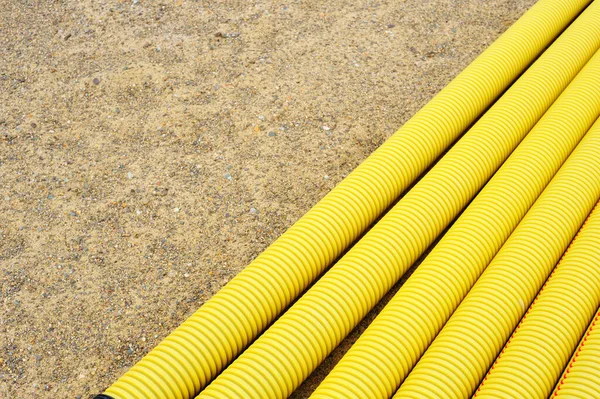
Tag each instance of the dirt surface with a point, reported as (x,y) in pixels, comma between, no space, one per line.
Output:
(149,151)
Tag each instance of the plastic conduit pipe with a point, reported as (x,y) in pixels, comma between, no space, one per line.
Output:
(538,350)
(385,353)
(463,351)
(202,346)
(288,351)
(581,378)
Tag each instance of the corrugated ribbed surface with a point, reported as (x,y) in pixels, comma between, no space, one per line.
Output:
(581,379)
(286,353)
(384,354)
(461,354)
(538,350)
(202,346)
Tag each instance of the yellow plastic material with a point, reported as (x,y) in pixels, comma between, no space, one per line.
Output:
(204,344)
(288,351)
(536,354)
(581,379)
(384,354)
(463,351)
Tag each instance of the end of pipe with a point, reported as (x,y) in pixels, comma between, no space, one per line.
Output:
(103,396)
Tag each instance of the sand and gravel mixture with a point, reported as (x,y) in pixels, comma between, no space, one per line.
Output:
(149,150)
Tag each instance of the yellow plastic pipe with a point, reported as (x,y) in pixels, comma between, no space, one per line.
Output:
(202,346)
(463,351)
(385,353)
(538,350)
(288,351)
(581,379)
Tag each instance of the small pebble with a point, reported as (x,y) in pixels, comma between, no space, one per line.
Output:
(253,210)
(50,196)
(96,81)
(138,212)
(261,117)
(176,209)
(228,176)
(326,177)
(326,128)
(272,134)
(129,175)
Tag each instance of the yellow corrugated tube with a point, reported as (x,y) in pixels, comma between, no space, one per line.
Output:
(385,353)
(463,351)
(538,350)
(190,357)
(581,378)
(288,351)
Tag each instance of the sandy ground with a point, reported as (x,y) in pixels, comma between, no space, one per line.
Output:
(149,151)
